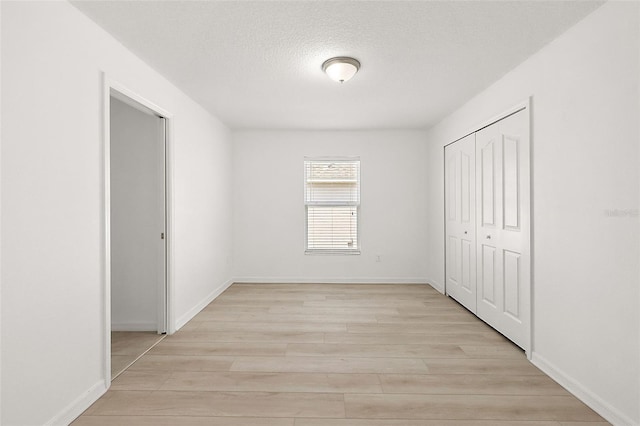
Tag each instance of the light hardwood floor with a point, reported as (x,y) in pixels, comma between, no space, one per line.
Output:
(343,355)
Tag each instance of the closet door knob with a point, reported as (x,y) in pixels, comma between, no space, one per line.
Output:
(488,237)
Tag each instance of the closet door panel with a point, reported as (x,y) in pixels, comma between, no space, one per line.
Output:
(503,226)
(468,268)
(512,284)
(460,208)
(466,180)
(487,182)
(453,262)
(511,182)
(487,278)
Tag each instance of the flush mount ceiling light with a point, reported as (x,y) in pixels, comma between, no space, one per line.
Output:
(341,69)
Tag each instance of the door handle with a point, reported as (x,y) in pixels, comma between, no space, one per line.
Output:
(488,237)
(465,232)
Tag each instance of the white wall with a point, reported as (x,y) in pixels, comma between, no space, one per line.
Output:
(0,213)
(202,210)
(269,210)
(136,217)
(52,205)
(585,141)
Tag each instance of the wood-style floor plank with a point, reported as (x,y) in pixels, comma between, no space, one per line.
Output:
(183,363)
(219,348)
(383,302)
(272,382)
(498,367)
(462,338)
(335,355)
(259,326)
(425,328)
(471,384)
(497,351)
(342,350)
(220,404)
(248,336)
(467,407)
(407,422)
(140,380)
(443,317)
(181,421)
(291,364)
(328,312)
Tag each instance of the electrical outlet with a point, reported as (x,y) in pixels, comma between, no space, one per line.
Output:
(378,258)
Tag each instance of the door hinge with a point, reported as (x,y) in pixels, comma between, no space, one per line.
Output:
(162,235)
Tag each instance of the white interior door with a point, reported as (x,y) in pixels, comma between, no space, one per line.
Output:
(460,201)
(502,191)
(138,218)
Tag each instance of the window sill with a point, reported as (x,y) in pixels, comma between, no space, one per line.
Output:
(332,252)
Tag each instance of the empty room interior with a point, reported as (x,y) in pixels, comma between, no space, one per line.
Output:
(308,213)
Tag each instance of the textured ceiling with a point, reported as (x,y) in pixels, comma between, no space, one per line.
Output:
(258,64)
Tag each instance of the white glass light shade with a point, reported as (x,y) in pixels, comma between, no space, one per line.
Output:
(341,69)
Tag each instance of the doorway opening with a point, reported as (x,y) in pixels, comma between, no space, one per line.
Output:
(137,255)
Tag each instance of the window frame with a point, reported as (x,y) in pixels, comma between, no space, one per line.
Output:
(315,251)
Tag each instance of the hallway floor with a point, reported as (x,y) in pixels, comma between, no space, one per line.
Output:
(343,355)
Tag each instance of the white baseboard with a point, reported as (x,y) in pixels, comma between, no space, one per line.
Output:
(77,407)
(596,403)
(185,318)
(325,280)
(134,326)
(436,285)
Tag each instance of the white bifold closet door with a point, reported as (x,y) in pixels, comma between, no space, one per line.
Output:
(460,206)
(500,285)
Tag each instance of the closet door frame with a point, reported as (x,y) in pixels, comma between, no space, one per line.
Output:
(527,209)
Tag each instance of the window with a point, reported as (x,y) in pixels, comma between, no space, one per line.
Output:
(332,204)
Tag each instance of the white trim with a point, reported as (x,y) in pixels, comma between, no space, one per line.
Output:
(336,158)
(106,230)
(580,391)
(331,252)
(80,404)
(121,92)
(0,210)
(202,304)
(127,95)
(169,227)
(135,326)
(525,104)
(332,280)
(436,285)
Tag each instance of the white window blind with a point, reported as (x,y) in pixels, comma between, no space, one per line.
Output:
(332,204)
